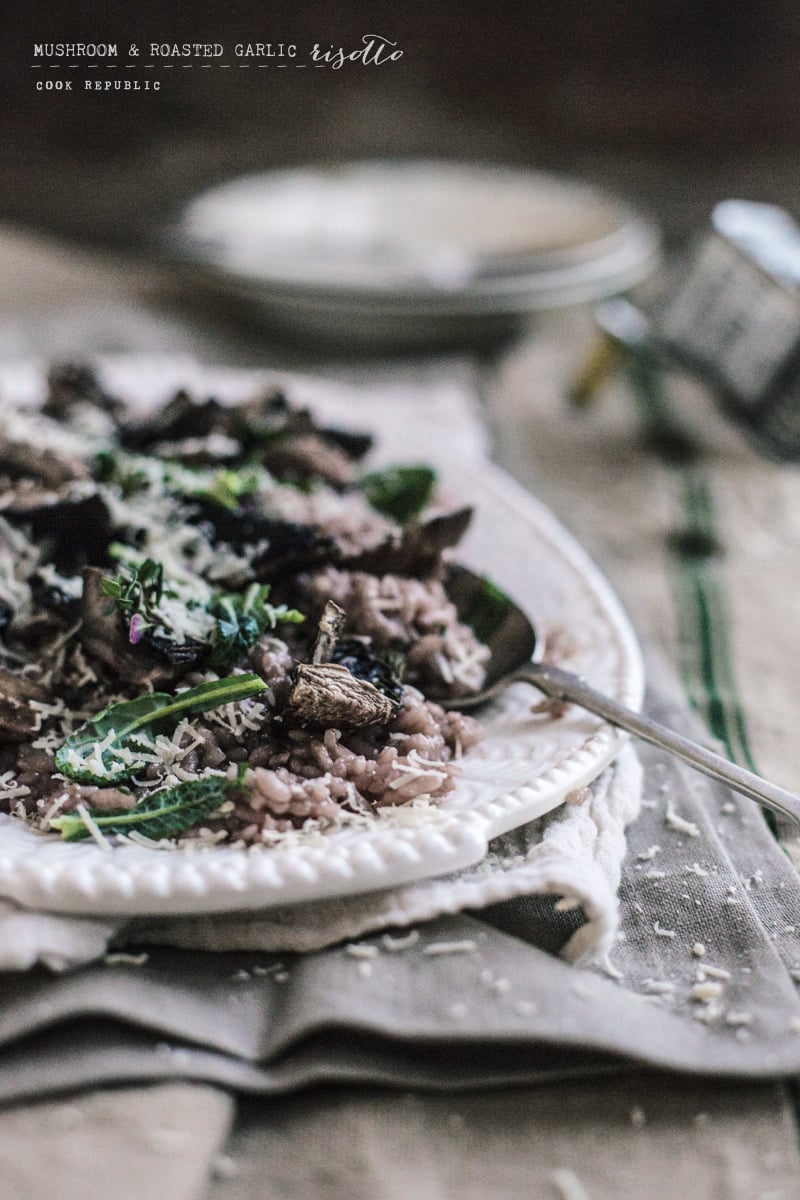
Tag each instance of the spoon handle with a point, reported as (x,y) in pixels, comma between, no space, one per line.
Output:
(562,685)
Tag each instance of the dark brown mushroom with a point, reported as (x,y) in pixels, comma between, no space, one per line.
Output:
(75,529)
(75,383)
(103,637)
(270,417)
(308,456)
(17,719)
(417,550)
(329,629)
(327,695)
(19,460)
(181,417)
(290,546)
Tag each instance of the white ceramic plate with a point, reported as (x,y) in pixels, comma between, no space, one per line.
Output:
(526,765)
(411,251)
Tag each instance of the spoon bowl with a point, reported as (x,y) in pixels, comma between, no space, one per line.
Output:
(516,655)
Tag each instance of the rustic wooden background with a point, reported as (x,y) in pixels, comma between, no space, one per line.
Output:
(674,102)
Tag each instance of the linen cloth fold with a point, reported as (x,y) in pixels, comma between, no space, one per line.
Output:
(702,981)
(575,852)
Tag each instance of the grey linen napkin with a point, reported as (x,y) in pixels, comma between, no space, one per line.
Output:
(700,982)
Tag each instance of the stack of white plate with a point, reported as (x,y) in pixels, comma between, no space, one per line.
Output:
(407,253)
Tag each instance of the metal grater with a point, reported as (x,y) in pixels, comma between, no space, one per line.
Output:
(732,316)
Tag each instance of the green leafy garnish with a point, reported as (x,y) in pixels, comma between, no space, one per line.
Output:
(399,492)
(137,595)
(241,620)
(121,471)
(163,814)
(108,749)
(229,487)
(140,590)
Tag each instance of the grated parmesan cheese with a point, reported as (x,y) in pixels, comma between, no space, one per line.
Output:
(121,959)
(708,1013)
(49,742)
(90,824)
(738,1019)
(141,839)
(608,968)
(394,945)
(41,710)
(10,788)
(568,1185)
(412,771)
(716,972)
(240,717)
(658,987)
(675,821)
(363,950)
(434,949)
(704,992)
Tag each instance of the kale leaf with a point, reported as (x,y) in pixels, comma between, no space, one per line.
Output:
(399,492)
(162,814)
(241,620)
(114,745)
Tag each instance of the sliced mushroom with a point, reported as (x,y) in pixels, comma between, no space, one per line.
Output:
(75,383)
(308,456)
(417,550)
(103,636)
(270,417)
(17,719)
(326,693)
(328,696)
(290,547)
(19,460)
(329,629)
(76,530)
(181,417)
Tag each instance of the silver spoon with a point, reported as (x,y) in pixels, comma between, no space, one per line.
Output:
(516,656)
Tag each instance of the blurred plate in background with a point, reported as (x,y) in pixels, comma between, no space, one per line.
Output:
(409,253)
